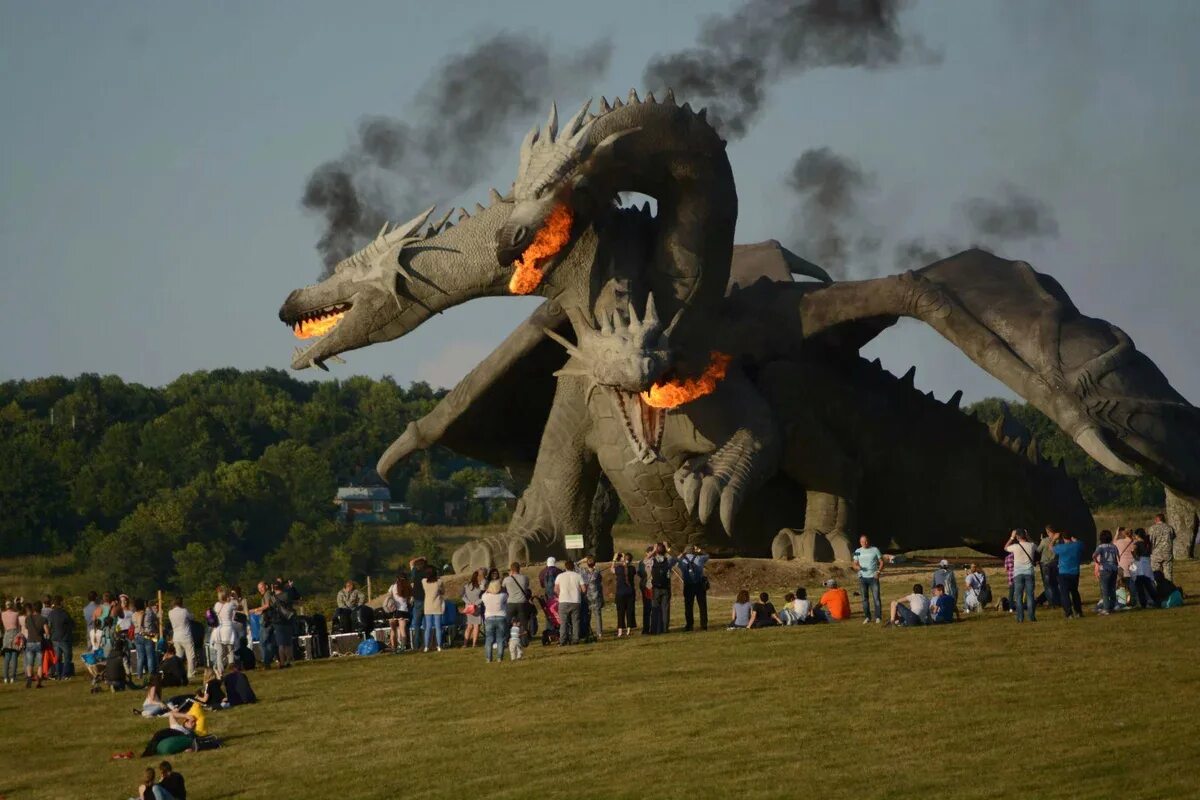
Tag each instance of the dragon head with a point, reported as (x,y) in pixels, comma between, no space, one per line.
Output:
(624,357)
(395,283)
(552,196)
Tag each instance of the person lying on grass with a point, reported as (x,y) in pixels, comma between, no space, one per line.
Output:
(915,613)
(763,615)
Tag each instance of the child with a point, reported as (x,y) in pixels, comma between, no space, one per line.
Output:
(516,651)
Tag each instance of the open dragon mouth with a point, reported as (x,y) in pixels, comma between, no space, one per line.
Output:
(528,270)
(318,322)
(643,425)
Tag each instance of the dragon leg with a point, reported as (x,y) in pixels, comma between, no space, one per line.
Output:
(559,498)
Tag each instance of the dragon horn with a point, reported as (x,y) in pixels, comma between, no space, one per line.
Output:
(552,122)
(570,348)
(650,318)
(382,230)
(674,321)
(410,227)
(572,126)
(527,144)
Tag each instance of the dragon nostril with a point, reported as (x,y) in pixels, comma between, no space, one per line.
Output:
(519,235)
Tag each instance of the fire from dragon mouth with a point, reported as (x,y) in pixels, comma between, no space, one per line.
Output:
(677,391)
(319,322)
(527,273)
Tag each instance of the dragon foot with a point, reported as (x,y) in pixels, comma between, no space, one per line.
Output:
(500,551)
(720,479)
(811,546)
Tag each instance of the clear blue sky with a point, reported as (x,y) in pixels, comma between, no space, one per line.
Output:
(152,157)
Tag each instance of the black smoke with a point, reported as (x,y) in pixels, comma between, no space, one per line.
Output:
(738,56)
(1012,215)
(831,226)
(462,115)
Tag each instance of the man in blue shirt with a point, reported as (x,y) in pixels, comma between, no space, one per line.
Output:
(1069,551)
(869,563)
(695,586)
(941,607)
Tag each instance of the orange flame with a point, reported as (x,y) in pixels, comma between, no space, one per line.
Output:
(678,391)
(307,329)
(546,242)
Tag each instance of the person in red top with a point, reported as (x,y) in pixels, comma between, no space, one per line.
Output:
(834,603)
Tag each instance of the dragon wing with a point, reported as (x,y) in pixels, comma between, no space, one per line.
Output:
(1022,328)
(497,411)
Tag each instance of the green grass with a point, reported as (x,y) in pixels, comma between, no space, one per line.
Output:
(1097,708)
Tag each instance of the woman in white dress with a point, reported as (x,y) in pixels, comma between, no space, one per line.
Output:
(225,638)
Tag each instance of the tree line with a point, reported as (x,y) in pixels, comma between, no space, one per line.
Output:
(233,473)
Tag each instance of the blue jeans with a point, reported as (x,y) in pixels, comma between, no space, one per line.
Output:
(33,657)
(11,665)
(1050,583)
(147,658)
(870,590)
(418,619)
(493,636)
(62,649)
(432,622)
(1108,590)
(907,617)
(1024,597)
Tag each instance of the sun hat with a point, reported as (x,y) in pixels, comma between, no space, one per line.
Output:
(550,562)
(943,563)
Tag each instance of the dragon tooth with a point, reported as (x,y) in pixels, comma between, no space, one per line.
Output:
(633,97)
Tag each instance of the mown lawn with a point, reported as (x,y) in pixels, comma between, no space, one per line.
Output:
(1098,708)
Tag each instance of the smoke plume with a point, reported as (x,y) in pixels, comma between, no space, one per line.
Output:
(738,56)
(461,116)
(833,228)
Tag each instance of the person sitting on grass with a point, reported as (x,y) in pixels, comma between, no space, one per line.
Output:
(941,607)
(740,616)
(171,670)
(797,608)
(148,789)
(977,588)
(172,781)
(237,686)
(762,614)
(834,604)
(915,613)
(152,705)
(115,676)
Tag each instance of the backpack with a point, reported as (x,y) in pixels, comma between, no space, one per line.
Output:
(985,591)
(368,647)
(1174,600)
(660,574)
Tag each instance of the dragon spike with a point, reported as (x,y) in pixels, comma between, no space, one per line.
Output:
(494,196)
(635,324)
(462,214)
(674,321)
(650,97)
(570,348)
(669,99)
(688,108)
(604,106)
(607,323)
(552,122)
(909,377)
(650,318)
(382,230)
(527,143)
(702,114)
(480,207)
(410,227)
(633,97)
(955,399)
(617,103)
(573,125)
(437,226)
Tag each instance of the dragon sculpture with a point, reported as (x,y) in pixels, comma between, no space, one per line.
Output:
(720,401)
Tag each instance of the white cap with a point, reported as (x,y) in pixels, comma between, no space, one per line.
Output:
(550,562)
(943,563)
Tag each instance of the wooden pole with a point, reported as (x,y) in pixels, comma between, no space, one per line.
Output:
(369,595)
(161,613)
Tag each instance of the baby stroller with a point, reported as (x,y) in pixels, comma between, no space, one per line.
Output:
(550,610)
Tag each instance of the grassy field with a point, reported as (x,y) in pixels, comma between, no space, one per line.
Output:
(1097,708)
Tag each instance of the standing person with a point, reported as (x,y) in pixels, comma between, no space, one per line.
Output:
(36,632)
(661,565)
(568,588)
(624,575)
(435,605)
(695,586)
(494,610)
(868,560)
(417,568)
(1049,566)
(267,619)
(1125,559)
(225,638)
(548,575)
(1070,553)
(181,634)
(399,599)
(594,594)
(1162,547)
(944,575)
(62,629)
(1023,553)
(284,627)
(145,628)
(89,610)
(520,596)
(1108,560)
(12,629)
(1144,593)
(472,595)
(643,572)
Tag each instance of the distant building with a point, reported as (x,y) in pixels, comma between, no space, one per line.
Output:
(493,497)
(371,505)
